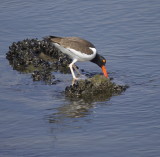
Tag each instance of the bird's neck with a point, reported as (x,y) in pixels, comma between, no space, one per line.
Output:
(96,59)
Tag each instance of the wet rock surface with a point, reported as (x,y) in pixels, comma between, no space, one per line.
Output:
(41,58)
(98,87)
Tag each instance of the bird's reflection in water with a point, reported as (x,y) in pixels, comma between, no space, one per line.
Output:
(73,110)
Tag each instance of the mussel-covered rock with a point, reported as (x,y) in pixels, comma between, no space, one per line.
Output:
(32,54)
(45,76)
(97,87)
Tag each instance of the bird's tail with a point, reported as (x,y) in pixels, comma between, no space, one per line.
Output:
(49,38)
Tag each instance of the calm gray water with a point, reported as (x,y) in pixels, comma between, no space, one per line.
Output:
(36,120)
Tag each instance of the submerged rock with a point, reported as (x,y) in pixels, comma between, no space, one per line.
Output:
(97,87)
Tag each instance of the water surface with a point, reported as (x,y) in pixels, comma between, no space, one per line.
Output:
(38,120)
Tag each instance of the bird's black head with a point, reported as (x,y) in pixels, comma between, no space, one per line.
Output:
(99,60)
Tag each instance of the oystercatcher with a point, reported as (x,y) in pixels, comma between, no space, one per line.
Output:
(78,49)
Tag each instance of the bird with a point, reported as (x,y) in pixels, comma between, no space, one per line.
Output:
(79,50)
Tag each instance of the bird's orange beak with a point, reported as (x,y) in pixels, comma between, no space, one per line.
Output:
(104,70)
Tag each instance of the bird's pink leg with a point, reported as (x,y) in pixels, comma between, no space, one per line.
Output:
(71,68)
(76,69)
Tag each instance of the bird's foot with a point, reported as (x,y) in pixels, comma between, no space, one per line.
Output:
(82,77)
(74,80)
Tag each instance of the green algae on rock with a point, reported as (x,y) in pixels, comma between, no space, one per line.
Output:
(96,87)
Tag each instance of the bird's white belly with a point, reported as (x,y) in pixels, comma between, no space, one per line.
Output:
(73,54)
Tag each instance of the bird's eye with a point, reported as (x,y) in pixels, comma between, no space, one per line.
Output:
(104,61)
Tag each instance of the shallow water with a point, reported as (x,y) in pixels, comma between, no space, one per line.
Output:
(38,120)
